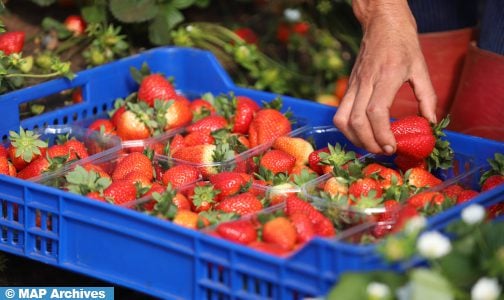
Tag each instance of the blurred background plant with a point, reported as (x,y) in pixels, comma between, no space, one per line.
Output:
(298,47)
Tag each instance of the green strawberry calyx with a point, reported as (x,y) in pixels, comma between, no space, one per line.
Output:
(442,154)
(27,144)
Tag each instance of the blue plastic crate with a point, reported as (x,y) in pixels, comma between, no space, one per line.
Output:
(127,248)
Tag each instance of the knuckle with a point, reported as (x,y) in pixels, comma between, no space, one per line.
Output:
(340,121)
(357,121)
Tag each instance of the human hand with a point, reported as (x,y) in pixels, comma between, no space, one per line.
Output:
(390,55)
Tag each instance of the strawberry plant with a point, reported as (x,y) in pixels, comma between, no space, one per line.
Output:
(15,68)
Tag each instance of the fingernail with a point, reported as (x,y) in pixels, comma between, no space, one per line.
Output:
(388,149)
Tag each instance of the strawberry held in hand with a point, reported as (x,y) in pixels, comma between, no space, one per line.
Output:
(418,139)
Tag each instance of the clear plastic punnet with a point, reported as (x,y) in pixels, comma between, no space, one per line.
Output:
(91,145)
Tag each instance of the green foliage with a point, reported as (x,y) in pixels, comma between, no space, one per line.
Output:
(476,252)
(44,2)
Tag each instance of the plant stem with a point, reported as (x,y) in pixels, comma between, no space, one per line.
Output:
(33,75)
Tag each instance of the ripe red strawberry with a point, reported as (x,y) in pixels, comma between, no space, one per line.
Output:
(201,107)
(140,179)
(466,195)
(268,248)
(389,177)
(130,127)
(196,154)
(492,182)
(295,146)
(404,163)
(419,200)
(12,42)
(283,33)
(301,28)
(198,138)
(322,225)
(96,168)
(35,168)
(203,155)
(202,196)
(133,162)
(208,124)
(76,24)
(419,178)
(246,109)
(280,231)
(304,227)
(3,151)
(177,114)
(155,188)
(362,187)
(495,210)
(452,191)
(181,175)
(314,160)
(25,147)
(241,231)
(103,125)
(177,143)
(59,151)
(120,192)
(267,125)
(416,146)
(386,176)
(4,165)
(228,183)
(278,161)
(246,34)
(96,196)
(117,115)
(77,147)
(242,204)
(416,138)
(495,175)
(405,213)
(77,95)
(156,87)
(181,202)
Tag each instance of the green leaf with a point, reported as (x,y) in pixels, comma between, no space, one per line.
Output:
(52,24)
(44,2)
(428,284)
(94,13)
(350,287)
(133,11)
(461,269)
(181,4)
(165,21)
(202,3)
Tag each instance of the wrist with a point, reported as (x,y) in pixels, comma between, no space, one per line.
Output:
(368,10)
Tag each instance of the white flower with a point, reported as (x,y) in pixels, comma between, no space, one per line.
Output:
(486,289)
(376,290)
(415,224)
(292,14)
(473,214)
(433,244)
